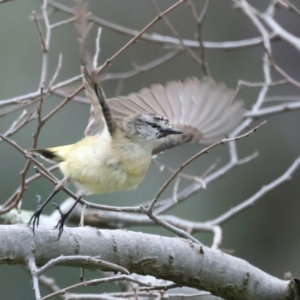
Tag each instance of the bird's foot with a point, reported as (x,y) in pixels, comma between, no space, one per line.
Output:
(35,218)
(61,222)
(63,217)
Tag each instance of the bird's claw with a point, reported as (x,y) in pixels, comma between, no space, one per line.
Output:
(61,223)
(35,219)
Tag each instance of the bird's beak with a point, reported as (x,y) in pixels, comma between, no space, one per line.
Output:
(171,131)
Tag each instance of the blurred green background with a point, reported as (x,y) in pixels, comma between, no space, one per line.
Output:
(266,235)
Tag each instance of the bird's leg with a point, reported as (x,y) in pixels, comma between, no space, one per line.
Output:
(35,218)
(64,216)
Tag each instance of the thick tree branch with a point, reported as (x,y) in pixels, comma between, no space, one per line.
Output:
(175,259)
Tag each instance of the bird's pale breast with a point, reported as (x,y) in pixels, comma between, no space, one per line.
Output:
(99,166)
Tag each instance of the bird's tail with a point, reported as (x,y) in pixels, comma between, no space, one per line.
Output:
(54,155)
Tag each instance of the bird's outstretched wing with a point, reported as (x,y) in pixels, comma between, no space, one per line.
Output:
(204,110)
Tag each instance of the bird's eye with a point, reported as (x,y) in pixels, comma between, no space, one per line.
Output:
(153,125)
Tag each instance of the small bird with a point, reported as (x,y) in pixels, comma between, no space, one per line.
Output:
(124,133)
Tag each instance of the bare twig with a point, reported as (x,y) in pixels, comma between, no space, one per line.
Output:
(43,43)
(97,51)
(58,68)
(98,281)
(32,267)
(253,199)
(169,226)
(44,70)
(137,36)
(283,73)
(199,19)
(16,198)
(63,22)
(280,31)
(90,261)
(50,284)
(292,7)
(204,151)
(190,52)
(157,38)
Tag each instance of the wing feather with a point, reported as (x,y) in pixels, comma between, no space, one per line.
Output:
(101,120)
(203,110)
(189,91)
(158,92)
(219,101)
(96,123)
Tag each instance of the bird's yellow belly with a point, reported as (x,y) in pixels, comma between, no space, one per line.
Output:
(98,166)
(105,175)
(110,183)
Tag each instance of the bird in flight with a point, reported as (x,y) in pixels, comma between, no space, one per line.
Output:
(124,133)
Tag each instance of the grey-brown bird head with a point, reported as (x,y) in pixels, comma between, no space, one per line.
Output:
(148,127)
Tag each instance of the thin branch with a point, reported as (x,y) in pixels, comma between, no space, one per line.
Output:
(138,69)
(63,22)
(162,167)
(137,36)
(10,202)
(282,98)
(32,267)
(199,20)
(253,199)
(156,295)
(16,198)
(261,84)
(204,151)
(108,61)
(190,52)
(97,51)
(292,7)
(94,282)
(92,262)
(166,204)
(157,38)
(280,31)
(169,226)
(283,73)
(50,284)
(18,123)
(58,68)
(115,220)
(44,71)
(272,110)
(43,43)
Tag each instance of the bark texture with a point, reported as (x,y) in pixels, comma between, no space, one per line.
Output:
(174,259)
